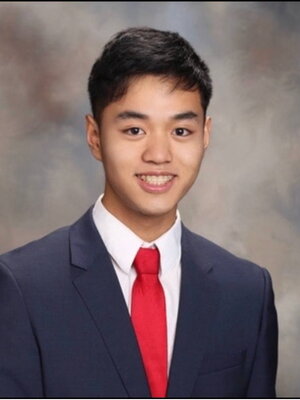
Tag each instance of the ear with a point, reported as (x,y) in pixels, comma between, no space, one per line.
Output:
(93,136)
(207,132)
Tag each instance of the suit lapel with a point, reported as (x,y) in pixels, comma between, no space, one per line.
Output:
(95,280)
(197,309)
(99,289)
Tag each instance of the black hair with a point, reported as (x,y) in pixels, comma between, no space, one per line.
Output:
(146,51)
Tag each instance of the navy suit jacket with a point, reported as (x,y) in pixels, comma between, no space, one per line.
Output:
(65,330)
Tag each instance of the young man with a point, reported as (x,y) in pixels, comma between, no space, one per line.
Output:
(127,302)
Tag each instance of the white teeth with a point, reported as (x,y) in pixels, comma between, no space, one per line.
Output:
(156,180)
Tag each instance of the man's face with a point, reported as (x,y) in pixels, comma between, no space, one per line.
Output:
(151,143)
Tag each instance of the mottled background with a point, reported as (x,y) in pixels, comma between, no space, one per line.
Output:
(247,195)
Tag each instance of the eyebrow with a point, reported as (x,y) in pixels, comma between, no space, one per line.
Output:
(131,114)
(185,115)
(137,115)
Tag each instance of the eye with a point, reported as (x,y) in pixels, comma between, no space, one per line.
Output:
(182,132)
(134,131)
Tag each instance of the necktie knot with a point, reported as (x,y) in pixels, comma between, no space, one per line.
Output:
(147,261)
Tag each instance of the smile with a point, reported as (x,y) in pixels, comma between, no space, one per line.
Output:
(158,180)
(156,183)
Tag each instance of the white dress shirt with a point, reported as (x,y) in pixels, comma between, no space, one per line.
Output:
(122,244)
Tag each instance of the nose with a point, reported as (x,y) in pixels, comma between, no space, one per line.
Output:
(157,150)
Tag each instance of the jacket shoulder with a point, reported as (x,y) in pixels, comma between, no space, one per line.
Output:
(225,263)
(48,258)
(40,263)
(37,251)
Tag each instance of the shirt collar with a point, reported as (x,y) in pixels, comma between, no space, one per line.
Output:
(122,244)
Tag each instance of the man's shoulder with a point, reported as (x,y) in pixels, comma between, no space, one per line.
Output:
(54,245)
(43,268)
(38,252)
(225,263)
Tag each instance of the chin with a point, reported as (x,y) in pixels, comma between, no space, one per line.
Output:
(156,211)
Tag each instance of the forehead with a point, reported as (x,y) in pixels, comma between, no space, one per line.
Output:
(157,97)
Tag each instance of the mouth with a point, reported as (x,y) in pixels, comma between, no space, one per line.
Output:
(156,183)
(158,180)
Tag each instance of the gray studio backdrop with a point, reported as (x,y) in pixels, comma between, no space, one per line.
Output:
(247,195)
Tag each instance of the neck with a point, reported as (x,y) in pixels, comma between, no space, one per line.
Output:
(147,227)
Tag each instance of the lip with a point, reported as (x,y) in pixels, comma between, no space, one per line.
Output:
(150,188)
(156,173)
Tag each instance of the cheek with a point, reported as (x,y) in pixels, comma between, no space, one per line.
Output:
(116,159)
(192,157)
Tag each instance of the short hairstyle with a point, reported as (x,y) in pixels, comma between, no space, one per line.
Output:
(146,51)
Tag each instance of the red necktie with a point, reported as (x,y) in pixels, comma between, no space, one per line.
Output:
(148,314)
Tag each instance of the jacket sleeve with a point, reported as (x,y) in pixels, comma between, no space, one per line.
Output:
(263,375)
(20,365)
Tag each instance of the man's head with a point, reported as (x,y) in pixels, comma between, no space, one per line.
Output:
(145,51)
(149,92)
